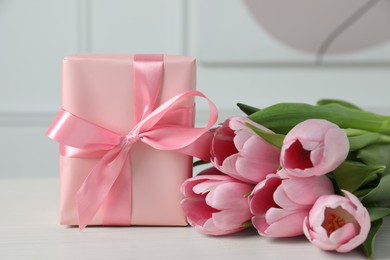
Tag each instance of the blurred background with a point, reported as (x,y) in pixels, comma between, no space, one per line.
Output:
(258,52)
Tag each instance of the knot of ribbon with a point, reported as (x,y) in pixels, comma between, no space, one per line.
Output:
(81,138)
(131,138)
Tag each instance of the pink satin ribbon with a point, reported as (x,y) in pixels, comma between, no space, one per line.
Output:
(111,176)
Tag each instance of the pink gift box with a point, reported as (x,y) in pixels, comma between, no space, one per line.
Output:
(100,89)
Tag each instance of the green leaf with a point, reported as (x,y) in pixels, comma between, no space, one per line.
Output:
(362,192)
(272,138)
(248,110)
(351,175)
(357,142)
(281,117)
(336,101)
(368,245)
(378,154)
(380,193)
(378,213)
(198,163)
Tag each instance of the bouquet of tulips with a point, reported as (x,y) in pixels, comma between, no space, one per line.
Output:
(294,169)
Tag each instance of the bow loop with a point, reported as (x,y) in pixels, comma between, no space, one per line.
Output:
(73,131)
(173,137)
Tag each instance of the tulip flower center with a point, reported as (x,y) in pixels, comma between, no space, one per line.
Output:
(332,222)
(336,218)
(298,157)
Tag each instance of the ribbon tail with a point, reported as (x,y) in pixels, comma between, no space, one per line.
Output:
(200,148)
(98,184)
(117,207)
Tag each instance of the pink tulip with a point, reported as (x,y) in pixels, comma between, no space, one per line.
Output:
(216,204)
(237,151)
(280,205)
(313,147)
(337,223)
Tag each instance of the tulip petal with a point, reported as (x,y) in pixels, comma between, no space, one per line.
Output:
(317,212)
(256,147)
(233,218)
(229,195)
(310,145)
(312,129)
(343,234)
(282,174)
(205,186)
(209,228)
(275,214)
(317,155)
(288,226)
(307,229)
(188,185)
(354,242)
(336,148)
(363,219)
(229,167)
(197,211)
(283,200)
(253,171)
(305,191)
(238,123)
(324,245)
(241,137)
(222,144)
(260,224)
(261,198)
(317,238)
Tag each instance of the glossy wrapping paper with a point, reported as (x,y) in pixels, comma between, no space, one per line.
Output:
(101,90)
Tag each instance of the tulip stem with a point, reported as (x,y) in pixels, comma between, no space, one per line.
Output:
(247,224)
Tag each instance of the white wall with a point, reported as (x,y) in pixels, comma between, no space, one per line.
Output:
(35,35)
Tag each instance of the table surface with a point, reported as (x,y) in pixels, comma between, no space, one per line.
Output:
(29,229)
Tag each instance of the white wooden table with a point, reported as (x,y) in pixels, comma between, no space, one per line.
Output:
(29,230)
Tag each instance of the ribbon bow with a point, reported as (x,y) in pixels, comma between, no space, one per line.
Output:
(85,139)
